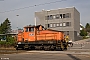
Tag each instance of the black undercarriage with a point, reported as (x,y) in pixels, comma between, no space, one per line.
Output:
(43,45)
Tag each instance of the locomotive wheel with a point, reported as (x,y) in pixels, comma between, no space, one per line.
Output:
(42,48)
(47,48)
(62,49)
(52,48)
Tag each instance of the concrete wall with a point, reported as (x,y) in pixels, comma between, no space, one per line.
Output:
(76,20)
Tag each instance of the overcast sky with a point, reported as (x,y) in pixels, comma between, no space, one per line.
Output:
(26,16)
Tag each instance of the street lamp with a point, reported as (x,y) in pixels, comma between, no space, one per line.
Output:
(17,24)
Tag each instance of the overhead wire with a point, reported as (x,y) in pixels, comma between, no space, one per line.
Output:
(33,6)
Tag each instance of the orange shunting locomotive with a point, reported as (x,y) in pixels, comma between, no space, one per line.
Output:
(37,37)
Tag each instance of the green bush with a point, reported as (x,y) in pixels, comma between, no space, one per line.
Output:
(2,42)
(84,37)
(83,33)
(10,41)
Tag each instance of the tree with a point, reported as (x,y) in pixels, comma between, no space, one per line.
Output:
(5,27)
(83,33)
(1,30)
(10,40)
(87,27)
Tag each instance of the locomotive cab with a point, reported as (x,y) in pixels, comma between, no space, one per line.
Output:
(30,32)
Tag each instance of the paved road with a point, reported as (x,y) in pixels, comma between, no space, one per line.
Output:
(82,44)
(47,55)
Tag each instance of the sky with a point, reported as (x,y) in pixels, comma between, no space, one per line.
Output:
(8,9)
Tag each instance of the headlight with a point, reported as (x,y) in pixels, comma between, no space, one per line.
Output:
(69,41)
(17,45)
(19,42)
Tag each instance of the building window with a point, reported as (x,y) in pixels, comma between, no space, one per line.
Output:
(60,15)
(51,25)
(46,17)
(54,25)
(63,15)
(57,16)
(50,17)
(60,24)
(68,23)
(67,32)
(48,25)
(64,24)
(54,16)
(57,25)
(68,15)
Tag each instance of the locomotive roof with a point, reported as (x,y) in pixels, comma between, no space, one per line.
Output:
(33,26)
(54,30)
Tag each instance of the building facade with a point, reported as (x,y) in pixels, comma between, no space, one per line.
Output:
(65,19)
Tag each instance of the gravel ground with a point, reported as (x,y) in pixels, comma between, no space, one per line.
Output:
(10,50)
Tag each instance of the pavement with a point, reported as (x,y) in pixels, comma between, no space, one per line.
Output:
(82,44)
(84,41)
(80,51)
(47,55)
